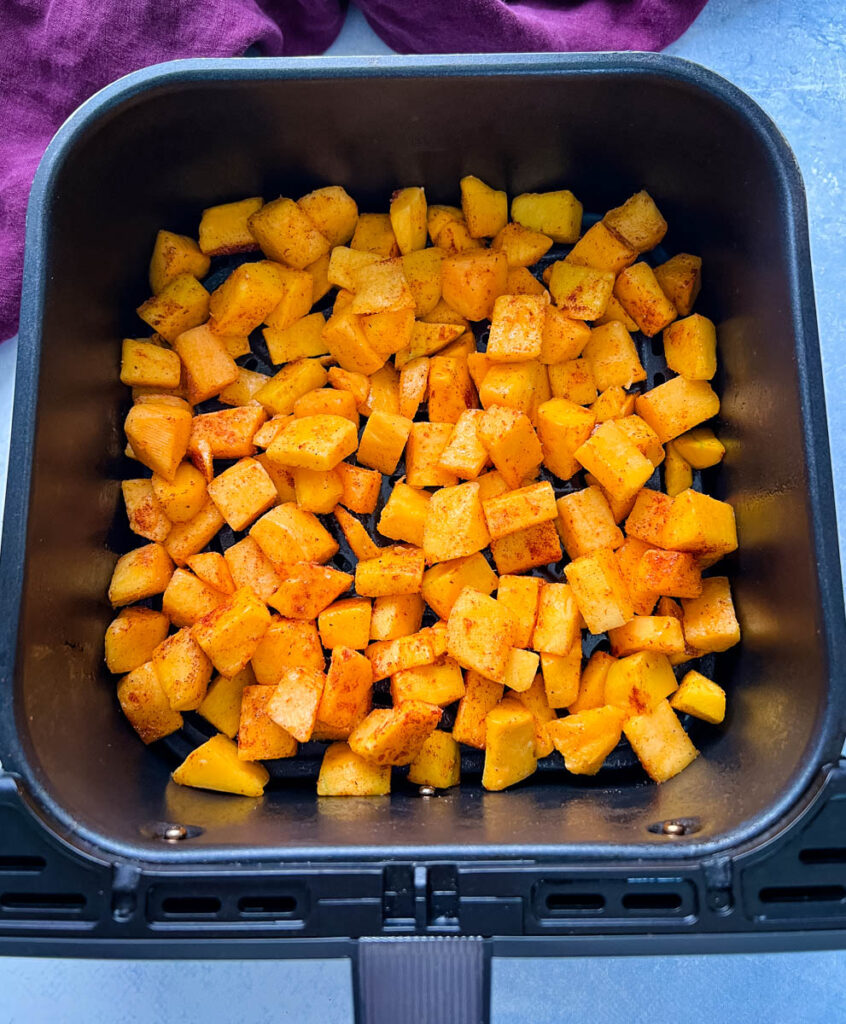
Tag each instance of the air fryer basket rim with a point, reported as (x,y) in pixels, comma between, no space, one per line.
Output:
(820,500)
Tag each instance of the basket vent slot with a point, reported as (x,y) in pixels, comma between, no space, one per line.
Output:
(267,905)
(42,902)
(652,902)
(823,855)
(575,902)
(191,906)
(22,864)
(803,894)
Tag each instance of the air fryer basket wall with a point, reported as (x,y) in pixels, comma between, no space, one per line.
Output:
(153,151)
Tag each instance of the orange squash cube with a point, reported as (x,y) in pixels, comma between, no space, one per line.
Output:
(527,549)
(227,434)
(640,295)
(287,534)
(348,344)
(509,746)
(612,357)
(211,568)
(242,493)
(307,589)
(690,347)
(317,490)
(159,435)
(230,635)
(511,443)
(348,684)
(592,683)
(408,219)
(438,762)
(599,590)
(451,390)
(186,539)
(396,615)
(395,736)
(619,508)
(183,303)
(141,573)
(187,599)
(396,570)
(637,683)
(601,249)
(344,773)
(294,702)
(248,295)
(465,455)
(481,695)
(700,448)
(562,338)
(173,255)
(629,555)
(145,514)
(701,525)
(680,279)
(563,427)
(521,386)
(440,683)
(516,329)
(215,765)
(391,656)
(287,643)
(144,364)
(573,380)
(643,437)
(699,696)
(612,458)
(485,209)
(375,234)
(244,388)
(580,292)
(426,443)
(360,487)
(295,301)
(521,669)
(443,583)
(638,222)
(301,339)
(558,625)
(132,637)
(345,262)
(333,212)
(557,214)
(413,386)
(614,403)
(672,573)
(534,700)
(222,703)
(660,633)
(710,623)
(586,738)
(381,287)
(614,311)
(359,540)
(661,744)
(383,441)
(480,634)
(422,269)
(287,234)
(648,518)
(258,735)
(455,524)
(472,280)
(314,442)
(519,594)
(520,509)
(144,702)
(295,379)
(585,522)
(250,567)
(426,340)
(224,229)
(346,624)
(522,246)
(404,514)
(183,670)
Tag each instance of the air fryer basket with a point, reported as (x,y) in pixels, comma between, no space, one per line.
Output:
(152,151)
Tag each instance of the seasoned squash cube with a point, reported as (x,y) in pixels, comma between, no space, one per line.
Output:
(422,269)
(183,670)
(472,280)
(250,293)
(349,683)
(222,703)
(231,633)
(672,573)
(522,246)
(519,594)
(301,339)
(699,696)
(132,637)
(580,292)
(426,443)
(509,746)
(465,455)
(561,676)
(710,623)
(404,514)
(690,347)
(438,216)
(145,514)
(250,567)
(592,683)
(389,331)
(375,234)
(314,442)
(601,249)
(443,583)
(660,633)
(244,388)
(381,287)
(614,403)
(294,304)
(680,279)
(288,643)
(346,623)
(519,509)
(573,380)
(562,338)
(395,736)
(455,524)
(224,229)
(408,219)
(438,763)
(396,570)
(356,535)
(140,573)
(613,357)
(426,340)
(186,539)
(640,295)
(344,263)
(558,625)
(144,702)
(521,669)
(383,441)
(360,487)
(521,386)
(481,695)
(413,386)
(557,214)
(317,490)
(287,534)
(187,599)
(144,364)
(287,234)
(344,773)
(637,683)
(527,549)
(307,589)
(512,444)
(661,744)
(173,255)
(521,281)
(396,615)
(159,435)
(259,737)
(293,381)
(638,222)
(585,522)
(586,738)
(563,427)
(332,211)
(211,568)
(391,656)
(454,237)
(701,525)
(643,437)
(614,311)
(216,765)
(451,389)
(599,590)
(294,702)
(648,518)
(347,342)
(485,209)
(615,462)
(242,493)
(327,402)
(700,448)
(480,633)
(227,434)
(516,329)
(629,555)
(491,484)
(534,699)
(182,303)
(440,683)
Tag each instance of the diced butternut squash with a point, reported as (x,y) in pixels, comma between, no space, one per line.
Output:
(248,295)
(186,539)
(660,633)
(521,281)
(527,549)
(314,442)
(144,364)
(509,746)
(287,234)
(426,443)
(472,280)
(391,656)
(183,670)
(413,386)
(522,246)
(702,525)
(422,269)
(640,295)
(673,573)
(699,696)
(561,676)
(346,623)
(159,435)
(144,702)
(614,311)
(344,773)
(586,523)
(242,493)
(396,570)
(643,437)
(521,669)
(332,211)
(710,623)
(375,234)
(173,255)
(250,567)
(520,509)
(485,209)
(222,703)
(440,683)
(562,338)
(680,279)
(580,292)
(294,702)
(395,736)
(648,518)
(231,633)
(287,643)
(521,386)
(295,302)
(227,434)
(612,458)
(396,615)
(516,330)
(455,524)
(519,594)
(317,490)
(183,303)
(383,441)
(438,763)
(465,455)
(389,331)
(281,392)
(224,229)
(259,737)
(307,589)
(451,389)
(215,765)
(287,534)
(187,599)
(661,744)
(592,683)
(481,696)
(404,514)
(637,683)
(408,219)
(690,347)
(480,633)
(211,568)
(638,222)
(244,388)
(343,264)
(586,738)
(348,344)
(534,699)
(302,339)
(426,340)
(629,555)
(132,637)
(143,510)
(563,427)
(700,448)
(573,380)
(601,249)
(356,535)
(443,583)
(511,443)
(349,683)
(599,590)
(613,357)
(556,214)
(558,625)
(140,573)
(614,403)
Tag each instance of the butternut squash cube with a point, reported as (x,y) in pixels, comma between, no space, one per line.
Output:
(619,509)
(187,599)
(301,339)
(660,633)
(472,280)
(522,246)
(383,441)
(516,328)
(145,514)
(702,525)
(451,389)
(359,540)
(144,364)
(426,340)
(287,534)
(614,311)
(344,773)
(573,380)
(521,669)
(443,583)
(314,442)
(287,643)
(244,388)
(173,255)
(231,634)
(381,287)
(699,696)
(384,392)
(561,675)
(159,435)
(558,625)
(613,357)
(222,703)
(141,573)
(426,444)
(248,295)
(557,214)
(601,249)
(346,624)
(391,656)
(395,736)
(408,219)
(485,209)
(332,211)
(562,338)
(360,487)
(465,455)
(343,264)
(187,539)
(144,702)
(509,746)
(599,590)
(317,490)
(395,570)
(638,222)
(690,347)
(519,594)
(396,615)
(293,381)
(613,403)
(643,437)
(616,463)
(440,683)
(438,762)
(422,269)
(637,683)
(580,292)
(404,514)
(348,344)
(629,555)
(592,683)
(438,215)
(413,386)
(327,402)
(224,229)
(585,522)
(710,623)
(454,237)
(521,281)
(294,701)
(211,568)
(132,637)
(216,765)
(672,573)
(527,549)
(700,448)
(641,297)
(295,302)
(349,683)
(259,737)
(480,634)
(481,695)
(520,509)
(563,427)
(182,303)
(375,234)
(307,589)
(521,386)
(534,699)
(661,744)
(455,524)
(586,738)
(648,518)
(287,234)
(227,434)
(511,443)
(183,670)
(389,331)
(250,567)
(242,493)
(491,484)
(680,279)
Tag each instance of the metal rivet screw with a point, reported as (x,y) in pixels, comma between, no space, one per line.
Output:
(673,828)
(174,833)
(427,790)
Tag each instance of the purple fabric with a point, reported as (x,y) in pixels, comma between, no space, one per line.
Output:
(57,53)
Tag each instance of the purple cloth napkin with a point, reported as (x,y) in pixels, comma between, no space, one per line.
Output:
(57,53)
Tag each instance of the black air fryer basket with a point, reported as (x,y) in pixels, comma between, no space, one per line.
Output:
(100,854)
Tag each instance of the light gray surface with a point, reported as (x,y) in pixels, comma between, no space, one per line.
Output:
(790,57)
